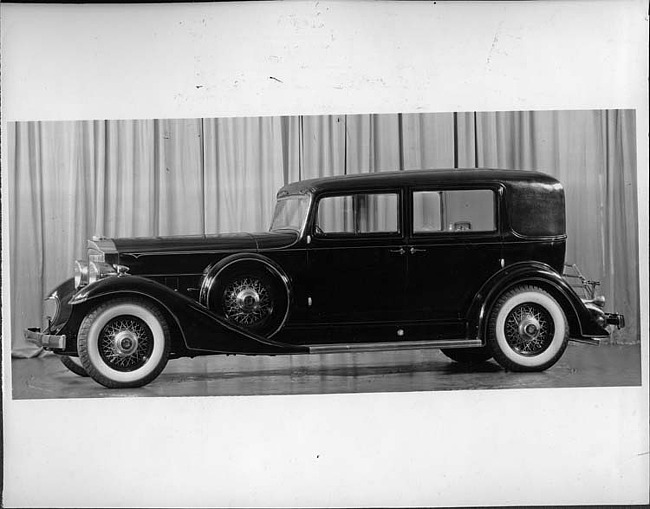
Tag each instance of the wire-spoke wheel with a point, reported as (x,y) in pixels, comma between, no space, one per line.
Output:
(124,343)
(248,301)
(73,364)
(251,296)
(528,330)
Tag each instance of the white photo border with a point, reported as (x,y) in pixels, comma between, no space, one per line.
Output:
(555,446)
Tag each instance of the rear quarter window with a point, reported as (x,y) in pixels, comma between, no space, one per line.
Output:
(537,210)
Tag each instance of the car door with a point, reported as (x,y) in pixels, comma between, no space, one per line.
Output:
(454,246)
(356,258)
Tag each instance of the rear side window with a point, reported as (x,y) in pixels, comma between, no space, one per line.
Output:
(358,214)
(469,210)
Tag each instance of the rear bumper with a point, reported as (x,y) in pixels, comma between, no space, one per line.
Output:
(615,319)
(601,321)
(35,336)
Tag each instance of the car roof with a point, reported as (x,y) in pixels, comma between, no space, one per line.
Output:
(353,182)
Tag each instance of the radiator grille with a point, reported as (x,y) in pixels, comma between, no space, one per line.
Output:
(96,256)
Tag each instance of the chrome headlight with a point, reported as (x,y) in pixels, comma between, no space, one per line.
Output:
(51,308)
(100,270)
(80,273)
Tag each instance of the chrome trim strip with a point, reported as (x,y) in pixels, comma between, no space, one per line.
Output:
(395,345)
(170,274)
(195,252)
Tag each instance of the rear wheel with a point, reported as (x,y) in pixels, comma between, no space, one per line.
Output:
(468,355)
(528,330)
(73,364)
(124,343)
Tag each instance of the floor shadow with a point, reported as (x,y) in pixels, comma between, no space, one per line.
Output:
(338,371)
(473,367)
(581,366)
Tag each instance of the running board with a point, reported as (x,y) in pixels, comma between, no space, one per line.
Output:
(394,345)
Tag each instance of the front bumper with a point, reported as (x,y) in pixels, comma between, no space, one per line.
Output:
(34,335)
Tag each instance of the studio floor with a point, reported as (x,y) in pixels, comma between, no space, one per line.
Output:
(414,370)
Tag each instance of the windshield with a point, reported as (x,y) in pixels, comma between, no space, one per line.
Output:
(290,213)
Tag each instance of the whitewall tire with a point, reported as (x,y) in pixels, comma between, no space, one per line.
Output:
(528,330)
(124,343)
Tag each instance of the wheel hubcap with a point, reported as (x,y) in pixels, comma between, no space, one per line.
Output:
(529,329)
(247,302)
(248,299)
(125,343)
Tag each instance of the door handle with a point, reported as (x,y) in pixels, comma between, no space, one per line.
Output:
(399,251)
(414,250)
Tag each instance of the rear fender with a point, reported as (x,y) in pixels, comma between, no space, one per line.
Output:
(581,323)
(200,330)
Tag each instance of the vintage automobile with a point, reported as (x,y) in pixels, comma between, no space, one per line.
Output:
(468,261)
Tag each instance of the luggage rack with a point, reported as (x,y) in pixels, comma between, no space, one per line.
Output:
(585,288)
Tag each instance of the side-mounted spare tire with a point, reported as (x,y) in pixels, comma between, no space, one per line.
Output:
(124,342)
(528,330)
(250,294)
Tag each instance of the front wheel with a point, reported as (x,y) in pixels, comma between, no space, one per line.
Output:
(124,343)
(528,330)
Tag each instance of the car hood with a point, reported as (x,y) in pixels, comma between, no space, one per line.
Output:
(197,243)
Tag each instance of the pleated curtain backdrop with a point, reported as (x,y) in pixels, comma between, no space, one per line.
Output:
(71,180)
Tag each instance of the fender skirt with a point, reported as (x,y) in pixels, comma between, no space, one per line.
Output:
(200,330)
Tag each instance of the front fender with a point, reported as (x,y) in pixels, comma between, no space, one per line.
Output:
(62,294)
(201,330)
(581,322)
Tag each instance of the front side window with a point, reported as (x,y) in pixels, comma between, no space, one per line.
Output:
(454,211)
(358,214)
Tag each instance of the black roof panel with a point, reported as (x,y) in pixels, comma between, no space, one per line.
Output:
(414,177)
